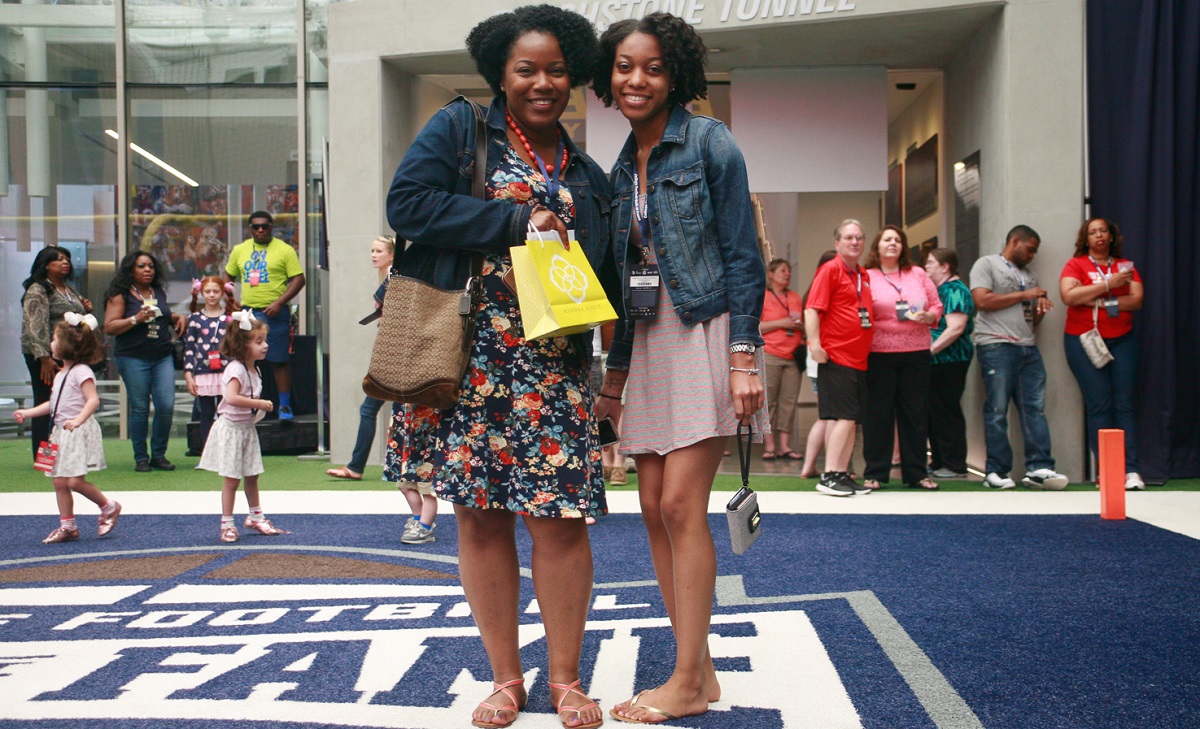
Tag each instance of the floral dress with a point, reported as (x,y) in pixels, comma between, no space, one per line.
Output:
(522,436)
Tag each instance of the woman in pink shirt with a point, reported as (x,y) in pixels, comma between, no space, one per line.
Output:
(906,306)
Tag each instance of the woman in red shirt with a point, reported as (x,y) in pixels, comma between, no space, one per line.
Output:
(782,328)
(1103,290)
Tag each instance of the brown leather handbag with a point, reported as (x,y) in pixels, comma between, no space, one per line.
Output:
(425,335)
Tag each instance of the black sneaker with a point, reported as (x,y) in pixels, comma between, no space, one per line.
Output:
(835,484)
(142,466)
(162,464)
(854,486)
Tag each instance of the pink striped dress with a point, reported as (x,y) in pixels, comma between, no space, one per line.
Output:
(677,393)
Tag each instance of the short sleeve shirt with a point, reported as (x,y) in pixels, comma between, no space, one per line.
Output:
(66,396)
(837,293)
(1004,326)
(1079,318)
(274,264)
(250,385)
(956,298)
(778,342)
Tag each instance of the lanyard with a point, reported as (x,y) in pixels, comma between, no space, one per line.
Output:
(1106,274)
(641,213)
(552,183)
(894,285)
(1019,276)
(782,302)
(857,272)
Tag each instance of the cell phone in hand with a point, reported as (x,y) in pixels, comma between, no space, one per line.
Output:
(608,432)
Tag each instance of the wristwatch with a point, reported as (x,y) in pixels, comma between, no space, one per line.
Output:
(742,347)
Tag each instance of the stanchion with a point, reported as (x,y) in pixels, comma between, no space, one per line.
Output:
(1112,474)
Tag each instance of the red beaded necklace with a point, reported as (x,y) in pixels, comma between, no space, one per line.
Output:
(553,171)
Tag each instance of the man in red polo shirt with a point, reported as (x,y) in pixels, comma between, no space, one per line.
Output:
(838,321)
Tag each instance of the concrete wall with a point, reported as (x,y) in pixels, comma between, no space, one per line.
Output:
(1015,94)
(916,125)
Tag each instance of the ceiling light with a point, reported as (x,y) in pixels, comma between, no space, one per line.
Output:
(155,160)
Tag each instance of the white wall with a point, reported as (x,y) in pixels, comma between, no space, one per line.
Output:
(916,125)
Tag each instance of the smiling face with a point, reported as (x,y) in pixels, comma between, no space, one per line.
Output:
(1099,238)
(212,293)
(381,257)
(641,82)
(536,85)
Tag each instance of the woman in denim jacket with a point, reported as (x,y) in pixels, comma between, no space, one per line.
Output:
(521,439)
(689,371)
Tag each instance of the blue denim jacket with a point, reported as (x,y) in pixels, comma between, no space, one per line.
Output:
(430,202)
(702,224)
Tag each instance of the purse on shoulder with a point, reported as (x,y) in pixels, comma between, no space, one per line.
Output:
(745,521)
(1093,344)
(423,345)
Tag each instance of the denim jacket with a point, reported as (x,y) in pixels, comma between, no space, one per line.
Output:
(430,202)
(702,226)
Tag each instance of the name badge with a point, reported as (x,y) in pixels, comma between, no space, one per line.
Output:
(214,360)
(149,302)
(1112,307)
(152,329)
(902,309)
(864,317)
(643,292)
(1027,306)
(254,277)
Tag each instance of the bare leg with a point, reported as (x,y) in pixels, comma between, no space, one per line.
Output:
(562,580)
(429,509)
(785,441)
(487,566)
(413,497)
(251,490)
(87,490)
(65,498)
(674,491)
(812,448)
(228,494)
(838,434)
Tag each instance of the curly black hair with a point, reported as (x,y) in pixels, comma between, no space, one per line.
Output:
(492,40)
(684,55)
(123,278)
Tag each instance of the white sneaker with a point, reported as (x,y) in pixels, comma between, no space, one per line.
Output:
(996,481)
(420,534)
(1045,479)
(1134,482)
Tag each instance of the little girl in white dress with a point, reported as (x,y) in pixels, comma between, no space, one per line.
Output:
(232,449)
(75,447)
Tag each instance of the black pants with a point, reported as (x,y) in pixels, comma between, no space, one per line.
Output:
(897,394)
(39,428)
(947,426)
(204,412)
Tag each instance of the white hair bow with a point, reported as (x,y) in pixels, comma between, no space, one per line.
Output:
(76,319)
(243,318)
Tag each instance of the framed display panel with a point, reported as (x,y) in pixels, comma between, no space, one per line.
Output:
(921,181)
(893,201)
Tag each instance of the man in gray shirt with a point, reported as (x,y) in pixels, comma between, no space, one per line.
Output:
(1010,305)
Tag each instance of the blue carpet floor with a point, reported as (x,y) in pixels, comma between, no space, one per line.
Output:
(923,621)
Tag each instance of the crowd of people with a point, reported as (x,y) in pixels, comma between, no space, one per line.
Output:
(710,342)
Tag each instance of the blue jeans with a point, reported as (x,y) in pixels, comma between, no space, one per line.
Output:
(1108,391)
(147,379)
(367,415)
(1014,373)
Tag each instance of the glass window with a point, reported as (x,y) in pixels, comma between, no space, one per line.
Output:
(211,41)
(58,175)
(63,42)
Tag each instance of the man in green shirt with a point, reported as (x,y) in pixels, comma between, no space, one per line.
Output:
(271,276)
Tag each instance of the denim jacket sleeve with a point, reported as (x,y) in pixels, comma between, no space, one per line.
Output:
(745,276)
(430,199)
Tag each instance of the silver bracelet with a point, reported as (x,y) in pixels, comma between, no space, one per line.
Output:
(752,371)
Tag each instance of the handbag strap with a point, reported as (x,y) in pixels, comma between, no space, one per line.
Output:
(57,400)
(477,184)
(744,452)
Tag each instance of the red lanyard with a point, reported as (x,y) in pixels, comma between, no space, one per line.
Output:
(552,173)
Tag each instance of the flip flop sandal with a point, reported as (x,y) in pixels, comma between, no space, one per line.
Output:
(343,472)
(568,689)
(928,484)
(791,456)
(872,484)
(768,455)
(666,716)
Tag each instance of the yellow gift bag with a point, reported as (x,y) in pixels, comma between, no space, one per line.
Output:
(558,291)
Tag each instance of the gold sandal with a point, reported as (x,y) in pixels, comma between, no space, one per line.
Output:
(666,715)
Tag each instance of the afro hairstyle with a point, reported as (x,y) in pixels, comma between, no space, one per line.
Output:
(492,40)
